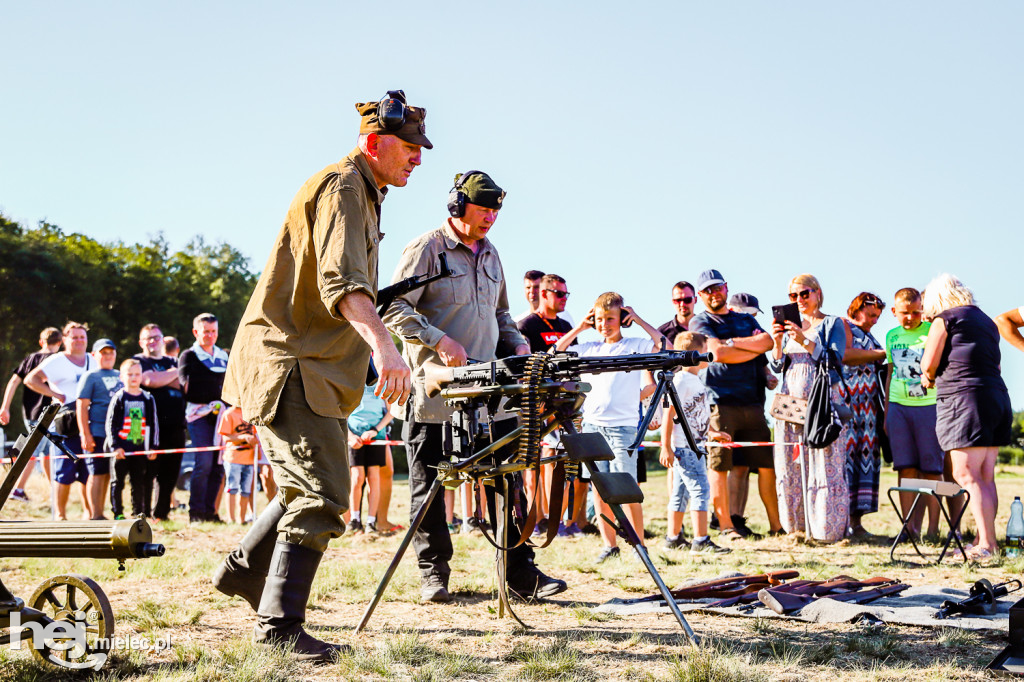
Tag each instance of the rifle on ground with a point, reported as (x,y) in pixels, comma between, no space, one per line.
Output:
(982,599)
(725,588)
(387,296)
(785,603)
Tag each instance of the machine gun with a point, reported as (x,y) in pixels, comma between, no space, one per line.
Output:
(387,296)
(548,393)
(74,603)
(981,600)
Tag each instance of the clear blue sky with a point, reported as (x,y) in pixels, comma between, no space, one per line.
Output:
(874,145)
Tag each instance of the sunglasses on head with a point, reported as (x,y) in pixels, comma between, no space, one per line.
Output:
(875,301)
(805,294)
(685,299)
(558,294)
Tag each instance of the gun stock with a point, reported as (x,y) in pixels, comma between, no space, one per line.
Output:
(436,377)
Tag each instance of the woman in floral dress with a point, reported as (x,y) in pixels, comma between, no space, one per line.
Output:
(860,369)
(796,353)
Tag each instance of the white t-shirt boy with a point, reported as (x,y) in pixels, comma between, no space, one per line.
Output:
(693,398)
(614,399)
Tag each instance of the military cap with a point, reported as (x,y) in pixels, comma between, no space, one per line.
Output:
(480,189)
(412,128)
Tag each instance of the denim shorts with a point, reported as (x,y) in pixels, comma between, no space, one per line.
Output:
(239,479)
(619,439)
(65,470)
(690,482)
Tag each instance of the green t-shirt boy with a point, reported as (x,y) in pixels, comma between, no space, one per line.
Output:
(904,348)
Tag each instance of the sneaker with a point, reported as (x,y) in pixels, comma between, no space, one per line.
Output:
(19,495)
(371,527)
(607,553)
(740,524)
(675,542)
(354,526)
(590,529)
(705,545)
(713,525)
(572,530)
(563,531)
(472,525)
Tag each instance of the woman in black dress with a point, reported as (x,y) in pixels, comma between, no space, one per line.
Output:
(973,413)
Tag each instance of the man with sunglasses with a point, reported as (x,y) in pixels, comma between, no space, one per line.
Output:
(298,367)
(735,384)
(461,319)
(683,298)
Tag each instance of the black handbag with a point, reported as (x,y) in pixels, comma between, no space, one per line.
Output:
(823,424)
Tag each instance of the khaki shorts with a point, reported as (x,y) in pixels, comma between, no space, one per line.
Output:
(743,423)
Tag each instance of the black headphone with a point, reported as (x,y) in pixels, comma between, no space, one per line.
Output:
(391,110)
(457,198)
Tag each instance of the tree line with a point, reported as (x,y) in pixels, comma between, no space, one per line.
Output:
(48,277)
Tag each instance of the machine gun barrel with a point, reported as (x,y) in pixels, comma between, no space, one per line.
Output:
(982,599)
(561,366)
(124,539)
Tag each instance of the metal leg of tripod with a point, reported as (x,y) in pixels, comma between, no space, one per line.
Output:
(503,509)
(406,541)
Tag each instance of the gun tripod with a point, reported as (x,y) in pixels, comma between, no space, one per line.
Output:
(562,400)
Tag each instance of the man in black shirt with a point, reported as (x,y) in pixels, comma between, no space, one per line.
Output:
(160,378)
(31,402)
(543,328)
(201,373)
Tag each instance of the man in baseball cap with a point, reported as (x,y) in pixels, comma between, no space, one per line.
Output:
(735,384)
(299,363)
(744,303)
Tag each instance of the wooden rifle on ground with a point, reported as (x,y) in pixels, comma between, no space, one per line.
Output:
(839,589)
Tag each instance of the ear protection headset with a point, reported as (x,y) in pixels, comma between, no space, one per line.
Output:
(391,110)
(457,198)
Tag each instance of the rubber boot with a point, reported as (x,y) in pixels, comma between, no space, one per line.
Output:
(244,571)
(282,609)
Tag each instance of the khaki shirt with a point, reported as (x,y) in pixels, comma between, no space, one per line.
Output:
(471,307)
(326,250)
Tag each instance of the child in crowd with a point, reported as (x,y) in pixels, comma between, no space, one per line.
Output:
(239,458)
(910,408)
(131,427)
(686,467)
(612,406)
(367,424)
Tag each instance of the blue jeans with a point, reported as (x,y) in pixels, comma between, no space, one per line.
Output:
(690,483)
(206,475)
(619,439)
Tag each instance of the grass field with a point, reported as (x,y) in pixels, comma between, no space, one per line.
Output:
(171,598)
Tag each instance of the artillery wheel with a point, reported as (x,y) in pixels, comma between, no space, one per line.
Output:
(75,598)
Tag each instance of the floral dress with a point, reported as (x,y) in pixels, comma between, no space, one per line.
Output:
(828,494)
(863,460)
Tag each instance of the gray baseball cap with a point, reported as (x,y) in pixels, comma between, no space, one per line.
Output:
(709,278)
(745,303)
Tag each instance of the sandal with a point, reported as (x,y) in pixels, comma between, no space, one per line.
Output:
(732,534)
(979,554)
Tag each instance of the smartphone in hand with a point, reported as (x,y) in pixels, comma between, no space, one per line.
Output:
(789,312)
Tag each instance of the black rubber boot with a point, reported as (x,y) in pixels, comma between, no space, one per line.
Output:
(282,609)
(244,571)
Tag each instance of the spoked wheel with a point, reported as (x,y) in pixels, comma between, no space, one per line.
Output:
(80,602)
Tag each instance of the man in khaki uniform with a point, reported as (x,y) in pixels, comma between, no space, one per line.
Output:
(449,321)
(299,363)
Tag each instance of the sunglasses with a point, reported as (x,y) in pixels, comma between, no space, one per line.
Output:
(685,299)
(558,294)
(874,301)
(805,294)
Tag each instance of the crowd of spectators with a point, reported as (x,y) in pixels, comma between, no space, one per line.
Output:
(928,397)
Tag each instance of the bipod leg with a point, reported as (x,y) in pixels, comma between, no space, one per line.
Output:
(502,506)
(626,532)
(406,541)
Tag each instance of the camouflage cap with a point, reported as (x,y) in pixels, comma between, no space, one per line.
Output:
(413,130)
(480,189)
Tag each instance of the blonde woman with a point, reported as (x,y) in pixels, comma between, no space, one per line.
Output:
(796,352)
(973,413)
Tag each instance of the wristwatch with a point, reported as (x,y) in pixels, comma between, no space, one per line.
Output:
(727,342)
(806,343)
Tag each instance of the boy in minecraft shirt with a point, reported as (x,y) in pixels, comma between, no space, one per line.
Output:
(131,427)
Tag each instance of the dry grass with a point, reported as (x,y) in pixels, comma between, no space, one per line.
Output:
(466,640)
